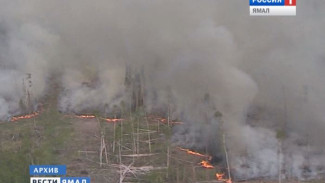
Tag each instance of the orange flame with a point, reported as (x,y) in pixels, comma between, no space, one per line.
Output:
(203,163)
(193,153)
(206,164)
(113,120)
(220,177)
(85,116)
(89,116)
(27,116)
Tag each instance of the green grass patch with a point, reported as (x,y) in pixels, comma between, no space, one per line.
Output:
(40,140)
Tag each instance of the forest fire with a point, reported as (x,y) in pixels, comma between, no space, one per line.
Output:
(194,153)
(27,116)
(206,164)
(203,163)
(113,120)
(220,177)
(85,116)
(90,116)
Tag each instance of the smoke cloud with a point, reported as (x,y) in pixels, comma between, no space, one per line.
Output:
(257,80)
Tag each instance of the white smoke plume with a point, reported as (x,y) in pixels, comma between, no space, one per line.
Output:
(264,75)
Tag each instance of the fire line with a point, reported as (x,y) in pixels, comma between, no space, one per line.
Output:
(27,116)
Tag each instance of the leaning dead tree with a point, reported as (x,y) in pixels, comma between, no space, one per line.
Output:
(102,151)
(226,153)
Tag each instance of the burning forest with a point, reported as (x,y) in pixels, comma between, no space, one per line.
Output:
(244,97)
(27,116)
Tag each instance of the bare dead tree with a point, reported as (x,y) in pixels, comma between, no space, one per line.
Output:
(102,151)
(226,153)
(168,113)
(138,136)
(149,140)
(194,173)
(114,134)
(168,162)
(134,147)
(280,160)
(120,162)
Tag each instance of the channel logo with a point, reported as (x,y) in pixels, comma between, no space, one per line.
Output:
(47,169)
(272,7)
(53,170)
(59,180)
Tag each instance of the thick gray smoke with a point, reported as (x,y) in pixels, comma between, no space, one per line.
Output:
(201,58)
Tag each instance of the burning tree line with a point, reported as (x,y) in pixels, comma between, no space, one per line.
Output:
(134,86)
